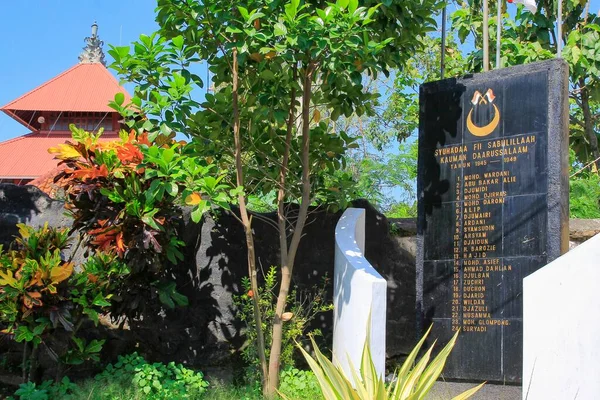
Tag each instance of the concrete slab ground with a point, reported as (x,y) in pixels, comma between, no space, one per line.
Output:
(447,390)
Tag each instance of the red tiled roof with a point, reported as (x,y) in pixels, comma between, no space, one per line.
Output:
(27,157)
(46,182)
(81,88)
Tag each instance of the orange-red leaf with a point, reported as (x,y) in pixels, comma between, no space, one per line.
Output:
(358,65)
(143,139)
(128,153)
(120,244)
(91,173)
(104,237)
(37,278)
(31,299)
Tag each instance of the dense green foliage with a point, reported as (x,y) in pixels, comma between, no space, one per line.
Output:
(132,378)
(584,199)
(283,74)
(385,166)
(46,390)
(157,380)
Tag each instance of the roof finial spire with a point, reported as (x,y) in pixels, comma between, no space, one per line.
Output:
(92,52)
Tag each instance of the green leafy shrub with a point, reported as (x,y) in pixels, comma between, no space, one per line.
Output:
(157,380)
(584,197)
(42,294)
(412,382)
(402,210)
(131,377)
(303,308)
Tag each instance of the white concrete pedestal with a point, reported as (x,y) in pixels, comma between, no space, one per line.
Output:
(359,292)
(561,327)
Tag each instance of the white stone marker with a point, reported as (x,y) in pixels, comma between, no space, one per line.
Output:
(358,291)
(561,327)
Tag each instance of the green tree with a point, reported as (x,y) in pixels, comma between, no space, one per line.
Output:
(528,38)
(525,38)
(384,167)
(283,73)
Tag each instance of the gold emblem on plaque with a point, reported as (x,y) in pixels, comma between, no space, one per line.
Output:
(477,100)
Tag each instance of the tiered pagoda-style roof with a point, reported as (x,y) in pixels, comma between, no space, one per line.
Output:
(79,96)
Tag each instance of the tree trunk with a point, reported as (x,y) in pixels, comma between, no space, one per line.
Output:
(281,217)
(288,267)
(588,123)
(247,223)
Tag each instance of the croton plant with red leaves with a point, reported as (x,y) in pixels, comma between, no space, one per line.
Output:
(42,294)
(125,196)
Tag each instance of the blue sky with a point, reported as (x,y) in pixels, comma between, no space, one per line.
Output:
(41,38)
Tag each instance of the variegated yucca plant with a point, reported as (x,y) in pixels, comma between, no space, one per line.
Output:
(412,382)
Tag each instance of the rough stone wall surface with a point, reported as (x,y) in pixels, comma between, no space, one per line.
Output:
(582,230)
(28,205)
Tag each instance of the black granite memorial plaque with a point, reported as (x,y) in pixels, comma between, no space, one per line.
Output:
(493,208)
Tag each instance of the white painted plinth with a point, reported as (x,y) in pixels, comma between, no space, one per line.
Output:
(359,290)
(561,327)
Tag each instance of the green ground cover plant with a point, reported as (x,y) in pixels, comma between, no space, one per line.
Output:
(131,377)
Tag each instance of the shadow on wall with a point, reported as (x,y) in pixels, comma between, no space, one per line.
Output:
(446,103)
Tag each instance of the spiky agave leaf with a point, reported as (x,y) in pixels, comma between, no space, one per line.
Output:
(434,370)
(467,394)
(413,381)
(332,381)
(403,374)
